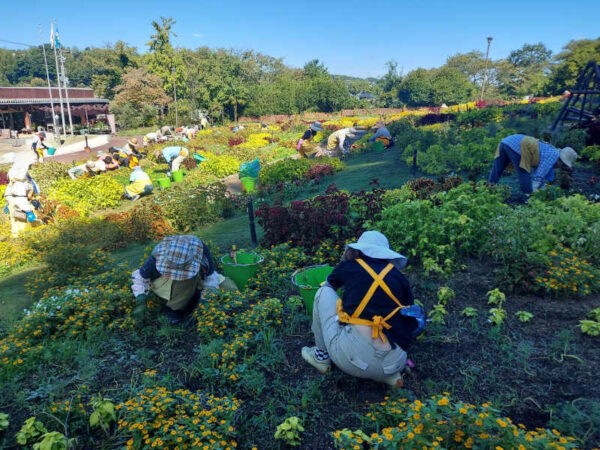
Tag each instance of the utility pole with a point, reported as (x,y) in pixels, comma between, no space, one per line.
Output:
(487,54)
(173,71)
(54,42)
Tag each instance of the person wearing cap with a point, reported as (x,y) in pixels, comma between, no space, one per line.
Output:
(534,161)
(139,184)
(305,145)
(19,195)
(382,134)
(38,145)
(88,168)
(365,333)
(174,156)
(177,270)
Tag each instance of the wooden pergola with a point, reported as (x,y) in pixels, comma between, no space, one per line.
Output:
(583,104)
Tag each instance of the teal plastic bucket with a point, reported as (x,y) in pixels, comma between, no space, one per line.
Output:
(51,151)
(243,268)
(308,280)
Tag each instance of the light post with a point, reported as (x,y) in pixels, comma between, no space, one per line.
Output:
(487,53)
(175,96)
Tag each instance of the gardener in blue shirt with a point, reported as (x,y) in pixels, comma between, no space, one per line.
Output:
(533,160)
(174,157)
(382,135)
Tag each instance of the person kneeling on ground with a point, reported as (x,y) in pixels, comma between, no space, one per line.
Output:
(365,333)
(177,271)
(89,168)
(139,184)
(305,145)
(382,135)
(174,157)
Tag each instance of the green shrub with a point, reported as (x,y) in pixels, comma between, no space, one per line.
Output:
(87,195)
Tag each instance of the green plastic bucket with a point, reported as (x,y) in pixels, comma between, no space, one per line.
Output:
(177,176)
(308,280)
(243,268)
(51,151)
(378,147)
(248,183)
(164,183)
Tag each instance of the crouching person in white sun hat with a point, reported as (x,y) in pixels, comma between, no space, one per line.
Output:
(367,331)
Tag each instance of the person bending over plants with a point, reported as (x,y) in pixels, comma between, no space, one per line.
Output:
(366,333)
(177,270)
(533,160)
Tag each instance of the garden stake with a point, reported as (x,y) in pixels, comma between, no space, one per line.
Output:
(251,220)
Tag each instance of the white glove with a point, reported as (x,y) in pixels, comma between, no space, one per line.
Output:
(536,185)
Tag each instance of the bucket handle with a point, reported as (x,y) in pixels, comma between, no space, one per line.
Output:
(260,259)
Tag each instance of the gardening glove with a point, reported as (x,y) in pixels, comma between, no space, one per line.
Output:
(140,309)
(536,185)
(36,204)
(30,216)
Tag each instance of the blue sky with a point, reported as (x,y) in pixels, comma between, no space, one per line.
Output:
(350,37)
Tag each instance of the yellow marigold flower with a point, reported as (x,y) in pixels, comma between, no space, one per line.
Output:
(443,401)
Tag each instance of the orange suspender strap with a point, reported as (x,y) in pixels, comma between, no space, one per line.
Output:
(378,323)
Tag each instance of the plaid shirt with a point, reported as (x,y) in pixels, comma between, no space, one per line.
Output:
(548,157)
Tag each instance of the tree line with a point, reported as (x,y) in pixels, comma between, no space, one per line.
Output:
(228,83)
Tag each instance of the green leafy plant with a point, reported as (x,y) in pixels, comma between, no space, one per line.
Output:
(437,314)
(4,422)
(104,413)
(496,297)
(445,294)
(31,431)
(469,311)
(53,441)
(289,431)
(524,316)
(591,326)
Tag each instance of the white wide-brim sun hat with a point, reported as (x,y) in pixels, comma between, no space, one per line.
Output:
(375,245)
(568,156)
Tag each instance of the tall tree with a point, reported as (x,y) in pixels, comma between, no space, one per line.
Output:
(389,85)
(524,71)
(569,63)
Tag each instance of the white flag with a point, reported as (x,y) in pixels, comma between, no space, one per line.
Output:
(54,41)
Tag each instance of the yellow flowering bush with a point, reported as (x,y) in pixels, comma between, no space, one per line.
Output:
(256,141)
(569,274)
(440,422)
(160,418)
(86,195)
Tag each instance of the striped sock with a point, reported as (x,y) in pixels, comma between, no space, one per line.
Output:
(321,355)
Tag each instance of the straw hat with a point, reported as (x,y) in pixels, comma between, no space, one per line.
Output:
(184,152)
(90,164)
(316,126)
(179,257)
(375,245)
(133,141)
(568,156)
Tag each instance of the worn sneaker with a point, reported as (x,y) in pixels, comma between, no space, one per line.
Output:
(134,198)
(395,380)
(308,353)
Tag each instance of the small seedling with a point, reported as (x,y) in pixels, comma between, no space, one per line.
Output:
(524,316)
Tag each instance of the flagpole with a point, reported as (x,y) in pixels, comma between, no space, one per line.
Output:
(65,79)
(48,80)
(62,111)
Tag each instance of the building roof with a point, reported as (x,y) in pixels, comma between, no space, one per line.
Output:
(41,95)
